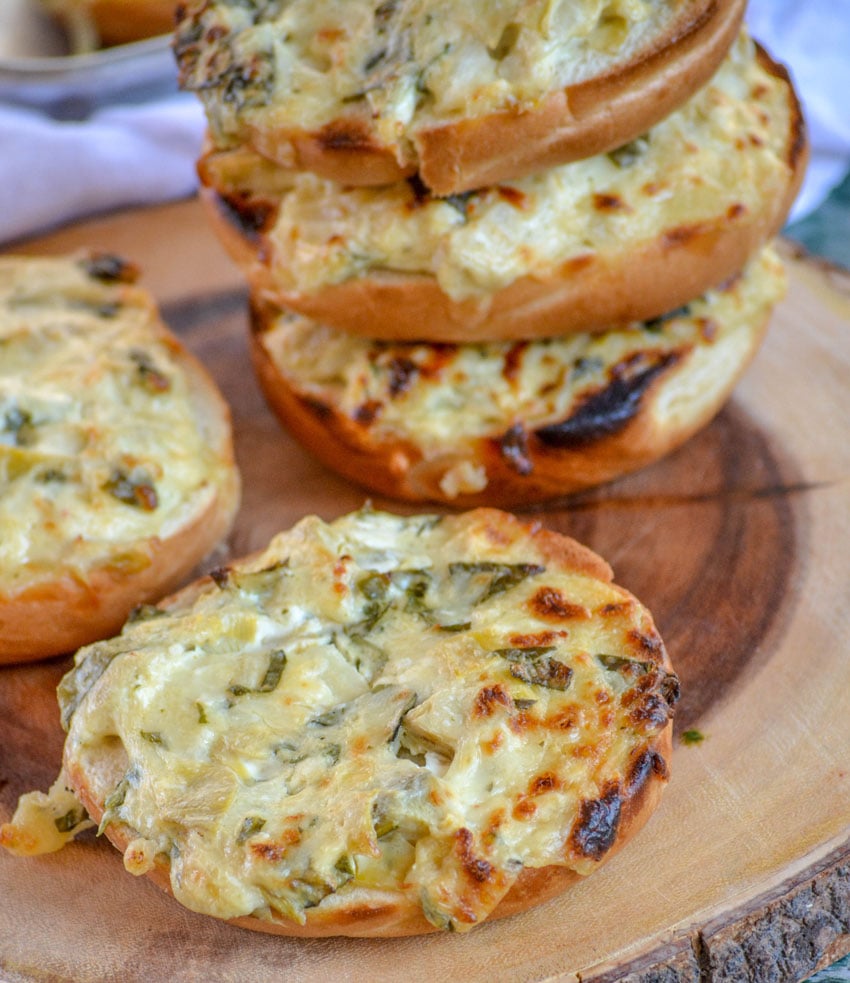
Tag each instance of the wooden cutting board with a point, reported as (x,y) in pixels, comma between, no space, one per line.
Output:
(740,545)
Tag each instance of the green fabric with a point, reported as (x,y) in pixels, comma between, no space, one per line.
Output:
(839,973)
(826,231)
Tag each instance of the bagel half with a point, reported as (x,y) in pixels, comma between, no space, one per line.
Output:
(379,726)
(116,462)
(466,95)
(511,423)
(601,242)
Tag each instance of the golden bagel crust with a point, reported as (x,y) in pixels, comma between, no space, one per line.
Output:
(510,423)
(116,463)
(605,241)
(467,96)
(102,23)
(559,743)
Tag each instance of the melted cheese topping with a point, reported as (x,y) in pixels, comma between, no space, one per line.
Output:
(445,398)
(724,153)
(402,63)
(419,705)
(43,822)
(101,445)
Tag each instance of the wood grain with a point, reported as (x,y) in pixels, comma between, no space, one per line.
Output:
(738,543)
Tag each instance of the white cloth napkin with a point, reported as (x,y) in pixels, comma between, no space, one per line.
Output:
(52,172)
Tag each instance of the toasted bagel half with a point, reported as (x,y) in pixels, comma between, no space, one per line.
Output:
(620,237)
(117,474)
(511,423)
(467,95)
(378,726)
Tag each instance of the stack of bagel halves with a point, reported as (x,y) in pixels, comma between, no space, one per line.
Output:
(497,252)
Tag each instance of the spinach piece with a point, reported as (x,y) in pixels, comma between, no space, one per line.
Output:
(250,826)
(136,488)
(70,820)
(269,682)
(534,665)
(492,578)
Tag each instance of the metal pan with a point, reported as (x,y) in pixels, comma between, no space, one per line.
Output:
(37,71)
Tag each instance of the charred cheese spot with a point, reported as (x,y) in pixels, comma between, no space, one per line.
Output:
(575,264)
(490,699)
(513,448)
(611,409)
(402,373)
(550,604)
(566,718)
(274,853)
(341,572)
(603,202)
(543,783)
(683,234)
(651,711)
(513,196)
(317,407)
(595,829)
(248,215)
(367,413)
(708,329)
(650,644)
(495,822)
(220,576)
(621,607)
(513,361)
(215,33)
(475,867)
(524,810)
(644,764)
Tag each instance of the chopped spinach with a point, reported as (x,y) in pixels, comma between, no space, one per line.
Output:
(19,424)
(535,666)
(136,489)
(250,826)
(490,578)
(70,820)
(270,680)
(629,153)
